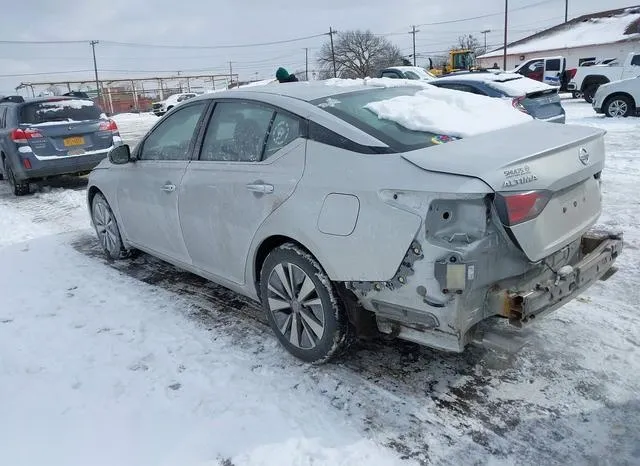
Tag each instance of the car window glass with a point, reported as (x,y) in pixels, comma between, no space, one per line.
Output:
(285,129)
(172,138)
(389,74)
(236,132)
(3,117)
(59,109)
(411,75)
(636,60)
(553,65)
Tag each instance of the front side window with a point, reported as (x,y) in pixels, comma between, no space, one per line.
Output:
(172,139)
(237,132)
(351,107)
(635,61)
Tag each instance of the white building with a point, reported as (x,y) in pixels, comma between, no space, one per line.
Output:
(596,36)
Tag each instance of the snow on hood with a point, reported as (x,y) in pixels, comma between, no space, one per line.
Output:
(444,111)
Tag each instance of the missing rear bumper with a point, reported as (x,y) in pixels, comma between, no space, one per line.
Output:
(599,252)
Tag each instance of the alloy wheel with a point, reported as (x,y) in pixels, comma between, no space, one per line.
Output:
(106,228)
(295,305)
(617,108)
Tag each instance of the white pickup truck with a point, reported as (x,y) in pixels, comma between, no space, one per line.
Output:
(588,78)
(160,108)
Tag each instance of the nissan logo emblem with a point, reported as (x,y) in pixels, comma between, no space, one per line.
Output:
(583,155)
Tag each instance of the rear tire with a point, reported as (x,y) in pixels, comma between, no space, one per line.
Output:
(19,188)
(619,106)
(104,221)
(590,92)
(301,305)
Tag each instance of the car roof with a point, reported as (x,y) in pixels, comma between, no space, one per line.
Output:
(306,90)
(482,76)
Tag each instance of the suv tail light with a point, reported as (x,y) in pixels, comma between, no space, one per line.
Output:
(109,125)
(517,103)
(519,207)
(22,136)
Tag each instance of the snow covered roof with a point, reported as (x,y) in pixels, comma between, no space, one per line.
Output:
(593,29)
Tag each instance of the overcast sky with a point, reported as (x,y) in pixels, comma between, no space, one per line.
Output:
(231,22)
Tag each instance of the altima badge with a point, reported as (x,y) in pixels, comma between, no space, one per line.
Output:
(583,155)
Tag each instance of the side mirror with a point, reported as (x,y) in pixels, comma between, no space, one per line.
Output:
(120,155)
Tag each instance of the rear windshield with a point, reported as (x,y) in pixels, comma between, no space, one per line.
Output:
(350,107)
(521,86)
(59,110)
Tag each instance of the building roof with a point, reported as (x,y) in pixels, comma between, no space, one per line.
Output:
(605,27)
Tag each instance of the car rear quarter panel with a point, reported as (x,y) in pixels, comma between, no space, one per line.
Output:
(373,249)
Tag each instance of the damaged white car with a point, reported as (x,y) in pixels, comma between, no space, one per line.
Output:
(416,212)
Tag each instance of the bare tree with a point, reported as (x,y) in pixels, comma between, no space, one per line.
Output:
(358,54)
(469,42)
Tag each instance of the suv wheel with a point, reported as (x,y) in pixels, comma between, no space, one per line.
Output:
(301,305)
(107,228)
(19,188)
(618,106)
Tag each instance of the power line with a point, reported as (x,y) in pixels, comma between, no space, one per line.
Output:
(471,18)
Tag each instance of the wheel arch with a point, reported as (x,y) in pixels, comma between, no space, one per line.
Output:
(592,79)
(613,95)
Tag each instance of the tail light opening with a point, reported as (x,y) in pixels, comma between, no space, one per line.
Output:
(517,104)
(22,136)
(109,125)
(519,207)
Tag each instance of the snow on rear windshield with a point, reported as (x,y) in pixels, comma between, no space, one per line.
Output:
(410,117)
(63,110)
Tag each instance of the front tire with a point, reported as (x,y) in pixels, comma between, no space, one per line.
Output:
(19,188)
(104,221)
(301,305)
(618,106)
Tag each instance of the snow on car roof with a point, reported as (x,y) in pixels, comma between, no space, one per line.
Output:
(580,32)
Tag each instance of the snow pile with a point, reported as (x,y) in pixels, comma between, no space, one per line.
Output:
(594,31)
(454,113)
(521,86)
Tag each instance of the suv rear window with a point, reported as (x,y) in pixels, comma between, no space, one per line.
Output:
(350,107)
(59,110)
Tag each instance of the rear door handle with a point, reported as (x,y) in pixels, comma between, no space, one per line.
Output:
(169,188)
(260,188)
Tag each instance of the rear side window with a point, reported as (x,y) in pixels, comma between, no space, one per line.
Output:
(284,130)
(390,74)
(59,110)
(3,117)
(635,61)
(461,87)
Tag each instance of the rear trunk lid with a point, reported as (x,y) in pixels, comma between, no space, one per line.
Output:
(562,161)
(543,104)
(65,127)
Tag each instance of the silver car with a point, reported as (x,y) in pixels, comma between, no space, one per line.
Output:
(338,221)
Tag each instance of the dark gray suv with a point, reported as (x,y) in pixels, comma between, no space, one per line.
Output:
(51,136)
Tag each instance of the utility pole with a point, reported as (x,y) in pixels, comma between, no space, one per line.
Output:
(306,64)
(333,53)
(230,74)
(413,33)
(485,32)
(566,10)
(95,69)
(506,21)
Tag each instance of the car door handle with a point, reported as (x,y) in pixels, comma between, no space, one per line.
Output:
(169,188)
(260,188)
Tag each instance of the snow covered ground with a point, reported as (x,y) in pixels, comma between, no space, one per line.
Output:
(137,363)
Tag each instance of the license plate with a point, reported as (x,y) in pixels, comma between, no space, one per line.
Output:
(74,141)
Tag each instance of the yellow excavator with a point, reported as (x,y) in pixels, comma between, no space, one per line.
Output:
(459,60)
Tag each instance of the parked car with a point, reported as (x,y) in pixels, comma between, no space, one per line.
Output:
(51,136)
(588,78)
(549,70)
(160,108)
(406,72)
(300,197)
(539,100)
(619,98)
